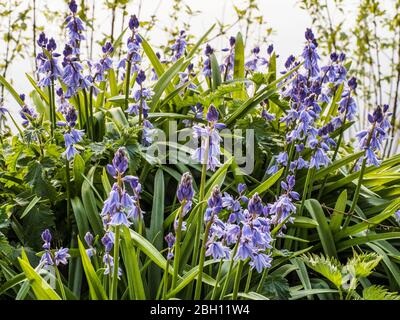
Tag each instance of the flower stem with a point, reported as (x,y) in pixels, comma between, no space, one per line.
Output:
(238,277)
(214,292)
(177,253)
(165,286)
(201,262)
(60,284)
(127,82)
(356,193)
(263,277)
(68,189)
(228,275)
(248,282)
(114,283)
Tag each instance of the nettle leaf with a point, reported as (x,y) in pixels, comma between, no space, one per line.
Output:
(379,293)
(330,268)
(36,179)
(276,288)
(361,265)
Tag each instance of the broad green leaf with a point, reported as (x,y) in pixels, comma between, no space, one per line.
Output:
(80,216)
(11,90)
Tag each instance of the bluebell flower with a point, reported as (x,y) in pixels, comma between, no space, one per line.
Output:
(61,256)
(170,239)
(229,62)
(91,251)
(178,48)
(207,63)
(371,140)
(310,54)
(281,210)
(260,261)
(74,27)
(48,69)
(256,62)
(133,45)
(72,76)
(104,64)
(347,104)
(120,206)
(27,113)
(210,140)
(185,190)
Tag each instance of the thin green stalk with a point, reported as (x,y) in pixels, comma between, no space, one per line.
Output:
(127,82)
(51,113)
(356,193)
(263,277)
(248,281)
(339,142)
(177,247)
(68,187)
(53,105)
(237,280)
(86,103)
(305,191)
(78,102)
(165,286)
(199,222)
(228,275)
(360,179)
(114,282)
(60,284)
(91,111)
(201,262)
(214,292)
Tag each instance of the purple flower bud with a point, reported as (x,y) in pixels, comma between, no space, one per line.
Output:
(73,6)
(141,77)
(309,35)
(42,41)
(208,50)
(255,205)
(185,189)
(46,235)
(352,83)
(89,238)
(51,46)
(212,114)
(241,187)
(170,239)
(232,41)
(120,161)
(133,23)
(334,56)
(270,49)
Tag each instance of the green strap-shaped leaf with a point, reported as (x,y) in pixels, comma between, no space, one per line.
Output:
(96,290)
(40,287)
(324,232)
(338,213)
(264,186)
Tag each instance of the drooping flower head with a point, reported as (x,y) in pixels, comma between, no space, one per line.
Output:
(310,54)
(178,48)
(209,150)
(74,28)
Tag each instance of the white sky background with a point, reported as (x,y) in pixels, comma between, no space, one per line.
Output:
(284,16)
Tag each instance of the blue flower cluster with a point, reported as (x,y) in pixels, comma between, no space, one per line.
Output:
(48,259)
(246,234)
(48,68)
(209,151)
(371,140)
(72,136)
(27,113)
(133,45)
(179,47)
